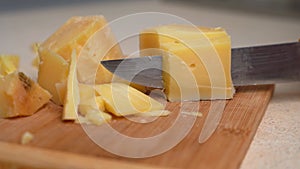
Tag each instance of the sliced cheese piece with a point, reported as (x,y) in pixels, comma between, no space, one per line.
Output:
(121,99)
(93,41)
(90,100)
(61,91)
(87,91)
(53,71)
(98,117)
(36,61)
(8,64)
(91,104)
(20,96)
(72,97)
(204,53)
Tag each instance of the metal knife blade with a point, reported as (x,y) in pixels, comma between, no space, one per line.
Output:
(268,64)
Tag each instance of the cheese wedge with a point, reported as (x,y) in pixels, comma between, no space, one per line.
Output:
(20,96)
(121,99)
(72,97)
(93,41)
(8,64)
(196,61)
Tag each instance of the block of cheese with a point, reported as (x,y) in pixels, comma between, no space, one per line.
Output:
(8,64)
(72,97)
(93,41)
(20,96)
(121,99)
(196,61)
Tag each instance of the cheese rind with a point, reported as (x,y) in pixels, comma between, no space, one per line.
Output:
(196,61)
(20,96)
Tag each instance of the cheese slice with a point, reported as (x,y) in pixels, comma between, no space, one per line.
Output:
(20,96)
(196,61)
(121,99)
(72,97)
(8,64)
(53,73)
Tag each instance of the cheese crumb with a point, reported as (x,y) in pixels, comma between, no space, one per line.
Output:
(27,137)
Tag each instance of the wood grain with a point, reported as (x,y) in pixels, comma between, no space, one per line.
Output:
(225,149)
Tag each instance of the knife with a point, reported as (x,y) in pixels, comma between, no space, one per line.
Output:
(267,64)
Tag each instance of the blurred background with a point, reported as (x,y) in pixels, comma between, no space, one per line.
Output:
(290,8)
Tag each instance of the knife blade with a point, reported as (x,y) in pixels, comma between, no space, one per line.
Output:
(267,64)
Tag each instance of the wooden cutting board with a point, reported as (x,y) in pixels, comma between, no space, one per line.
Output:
(60,144)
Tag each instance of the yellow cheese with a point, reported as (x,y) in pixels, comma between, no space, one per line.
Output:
(121,99)
(196,61)
(91,104)
(87,91)
(36,61)
(72,97)
(93,41)
(95,117)
(89,99)
(53,72)
(8,64)
(27,137)
(20,96)
(98,117)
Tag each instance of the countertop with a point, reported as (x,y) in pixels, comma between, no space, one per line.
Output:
(277,141)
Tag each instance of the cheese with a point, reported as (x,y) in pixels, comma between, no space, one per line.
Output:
(93,41)
(72,97)
(87,91)
(27,137)
(35,48)
(8,64)
(90,104)
(53,71)
(89,99)
(121,99)
(98,117)
(196,61)
(95,117)
(20,96)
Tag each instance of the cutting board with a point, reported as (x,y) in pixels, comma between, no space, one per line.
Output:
(58,144)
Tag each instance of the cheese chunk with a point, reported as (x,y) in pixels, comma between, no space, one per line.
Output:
(72,97)
(8,64)
(53,73)
(196,61)
(20,96)
(121,99)
(93,41)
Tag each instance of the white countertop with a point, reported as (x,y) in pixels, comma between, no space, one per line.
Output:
(277,141)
